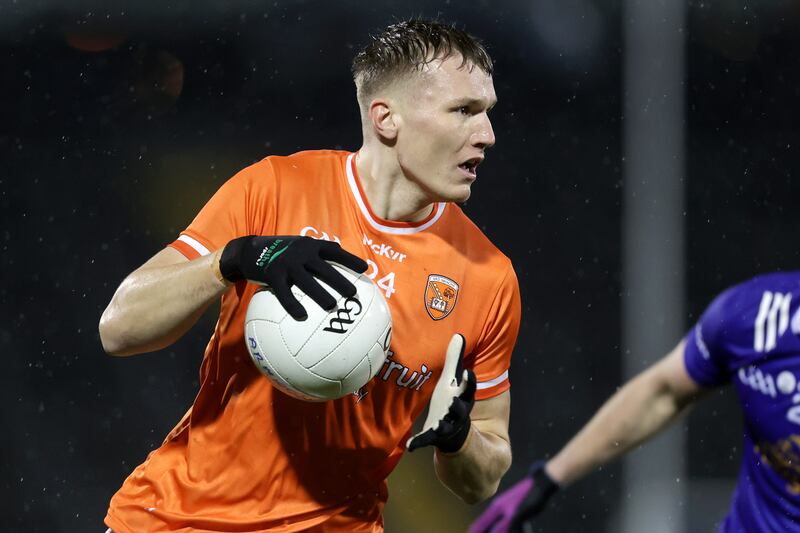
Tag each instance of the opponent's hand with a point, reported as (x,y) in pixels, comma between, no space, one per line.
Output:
(282,261)
(447,424)
(516,506)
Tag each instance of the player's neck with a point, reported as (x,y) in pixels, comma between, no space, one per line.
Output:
(391,195)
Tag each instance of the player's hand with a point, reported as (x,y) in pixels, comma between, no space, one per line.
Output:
(513,508)
(448,423)
(282,261)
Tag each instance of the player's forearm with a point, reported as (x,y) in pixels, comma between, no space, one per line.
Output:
(635,413)
(474,472)
(154,306)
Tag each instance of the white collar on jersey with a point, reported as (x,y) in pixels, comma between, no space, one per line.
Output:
(402,228)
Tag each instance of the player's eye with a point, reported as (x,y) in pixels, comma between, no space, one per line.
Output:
(464,110)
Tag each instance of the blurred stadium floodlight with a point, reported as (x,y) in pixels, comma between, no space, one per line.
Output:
(653,295)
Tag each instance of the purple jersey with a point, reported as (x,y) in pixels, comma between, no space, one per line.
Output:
(750,335)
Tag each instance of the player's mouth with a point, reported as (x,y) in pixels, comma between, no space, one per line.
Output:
(469,167)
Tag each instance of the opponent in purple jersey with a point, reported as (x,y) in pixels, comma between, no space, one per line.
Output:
(750,336)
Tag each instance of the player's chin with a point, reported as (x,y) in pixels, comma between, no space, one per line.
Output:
(456,193)
(460,193)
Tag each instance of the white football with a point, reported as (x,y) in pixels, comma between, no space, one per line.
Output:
(328,355)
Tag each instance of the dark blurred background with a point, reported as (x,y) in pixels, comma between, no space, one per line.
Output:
(119,119)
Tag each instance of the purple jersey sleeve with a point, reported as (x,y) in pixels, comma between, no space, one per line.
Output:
(708,343)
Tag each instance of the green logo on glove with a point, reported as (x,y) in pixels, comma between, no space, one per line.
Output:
(271,252)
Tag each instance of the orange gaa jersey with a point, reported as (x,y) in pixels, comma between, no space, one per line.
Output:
(247,457)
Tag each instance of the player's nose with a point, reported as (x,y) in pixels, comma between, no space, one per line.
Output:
(483,136)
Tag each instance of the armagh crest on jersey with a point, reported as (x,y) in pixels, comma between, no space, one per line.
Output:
(440,296)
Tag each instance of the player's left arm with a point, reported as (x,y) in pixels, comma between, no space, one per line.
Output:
(474,471)
(473,449)
(471,438)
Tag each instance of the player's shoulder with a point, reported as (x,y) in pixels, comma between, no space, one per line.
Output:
(472,242)
(744,308)
(748,295)
(785,282)
(301,162)
(297,168)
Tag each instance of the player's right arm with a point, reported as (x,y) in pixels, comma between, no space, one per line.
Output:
(163,298)
(654,398)
(636,412)
(234,241)
(159,301)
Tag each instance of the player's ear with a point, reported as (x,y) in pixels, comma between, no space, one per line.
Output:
(383,119)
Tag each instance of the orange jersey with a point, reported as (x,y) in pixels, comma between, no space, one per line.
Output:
(247,457)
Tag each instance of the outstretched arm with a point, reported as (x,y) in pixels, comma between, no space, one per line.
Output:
(636,412)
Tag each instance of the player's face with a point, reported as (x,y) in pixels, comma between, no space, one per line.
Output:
(445,129)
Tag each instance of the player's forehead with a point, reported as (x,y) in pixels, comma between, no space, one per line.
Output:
(453,79)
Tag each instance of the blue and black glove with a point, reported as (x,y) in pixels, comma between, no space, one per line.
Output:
(447,424)
(282,261)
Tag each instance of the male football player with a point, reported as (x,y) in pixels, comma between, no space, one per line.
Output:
(246,457)
(748,336)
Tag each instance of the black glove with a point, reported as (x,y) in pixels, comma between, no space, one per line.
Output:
(447,424)
(282,261)
(534,502)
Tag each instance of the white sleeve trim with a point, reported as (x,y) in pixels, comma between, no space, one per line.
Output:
(196,245)
(492,382)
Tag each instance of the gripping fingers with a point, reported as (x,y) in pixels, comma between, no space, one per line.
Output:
(287,300)
(306,283)
(331,251)
(324,271)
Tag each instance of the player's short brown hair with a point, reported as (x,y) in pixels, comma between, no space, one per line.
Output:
(408,46)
